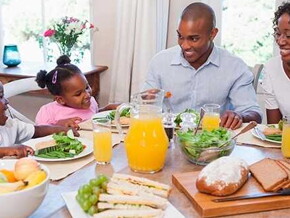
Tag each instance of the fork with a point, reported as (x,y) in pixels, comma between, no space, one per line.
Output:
(259,134)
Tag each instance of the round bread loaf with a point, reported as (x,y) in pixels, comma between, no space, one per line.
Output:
(223,176)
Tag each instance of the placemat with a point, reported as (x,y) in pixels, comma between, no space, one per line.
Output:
(248,139)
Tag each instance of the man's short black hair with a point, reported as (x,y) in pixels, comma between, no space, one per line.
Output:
(197,11)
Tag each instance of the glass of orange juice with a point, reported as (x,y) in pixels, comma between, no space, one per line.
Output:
(286,137)
(211,118)
(102,138)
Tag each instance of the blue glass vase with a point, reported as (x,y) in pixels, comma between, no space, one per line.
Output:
(11,56)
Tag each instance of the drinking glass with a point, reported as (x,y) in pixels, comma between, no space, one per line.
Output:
(211,118)
(102,141)
(286,137)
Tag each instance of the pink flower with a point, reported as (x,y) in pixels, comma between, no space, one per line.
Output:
(92,26)
(71,20)
(49,33)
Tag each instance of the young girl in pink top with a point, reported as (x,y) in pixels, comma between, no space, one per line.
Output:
(73,102)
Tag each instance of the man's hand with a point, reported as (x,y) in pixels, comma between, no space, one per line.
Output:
(71,122)
(18,151)
(231,120)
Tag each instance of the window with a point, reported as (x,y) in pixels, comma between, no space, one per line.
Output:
(247,29)
(24,23)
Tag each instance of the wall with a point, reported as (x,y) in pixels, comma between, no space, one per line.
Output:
(1,32)
(105,19)
(176,8)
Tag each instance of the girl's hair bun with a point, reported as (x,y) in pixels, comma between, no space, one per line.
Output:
(41,78)
(62,60)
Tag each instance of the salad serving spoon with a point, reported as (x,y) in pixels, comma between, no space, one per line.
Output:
(201,114)
(251,125)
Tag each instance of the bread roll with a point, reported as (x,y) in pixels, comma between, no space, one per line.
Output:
(223,176)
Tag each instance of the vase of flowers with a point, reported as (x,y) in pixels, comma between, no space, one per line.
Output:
(66,33)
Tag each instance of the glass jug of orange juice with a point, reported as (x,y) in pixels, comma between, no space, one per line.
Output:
(146,142)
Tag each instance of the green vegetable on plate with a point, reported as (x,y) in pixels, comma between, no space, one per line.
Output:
(111,115)
(65,147)
(275,137)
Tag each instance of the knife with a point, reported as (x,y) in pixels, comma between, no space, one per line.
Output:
(252,196)
(252,144)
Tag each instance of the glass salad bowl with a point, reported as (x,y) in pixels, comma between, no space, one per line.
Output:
(205,146)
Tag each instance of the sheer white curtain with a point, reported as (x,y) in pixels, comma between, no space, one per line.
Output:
(141,32)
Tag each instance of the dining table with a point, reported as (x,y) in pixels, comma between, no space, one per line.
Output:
(248,148)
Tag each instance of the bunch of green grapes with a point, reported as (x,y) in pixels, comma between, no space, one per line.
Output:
(88,194)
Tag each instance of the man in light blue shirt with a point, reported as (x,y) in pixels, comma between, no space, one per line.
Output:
(197,72)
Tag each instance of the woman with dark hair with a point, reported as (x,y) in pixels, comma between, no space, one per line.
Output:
(276,82)
(73,102)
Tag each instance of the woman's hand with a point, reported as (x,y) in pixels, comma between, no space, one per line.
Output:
(18,151)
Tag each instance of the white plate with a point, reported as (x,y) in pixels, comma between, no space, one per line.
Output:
(104,114)
(262,127)
(77,212)
(88,149)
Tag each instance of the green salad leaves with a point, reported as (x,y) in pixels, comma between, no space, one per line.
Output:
(65,147)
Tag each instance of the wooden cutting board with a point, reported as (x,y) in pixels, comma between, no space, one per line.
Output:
(204,205)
